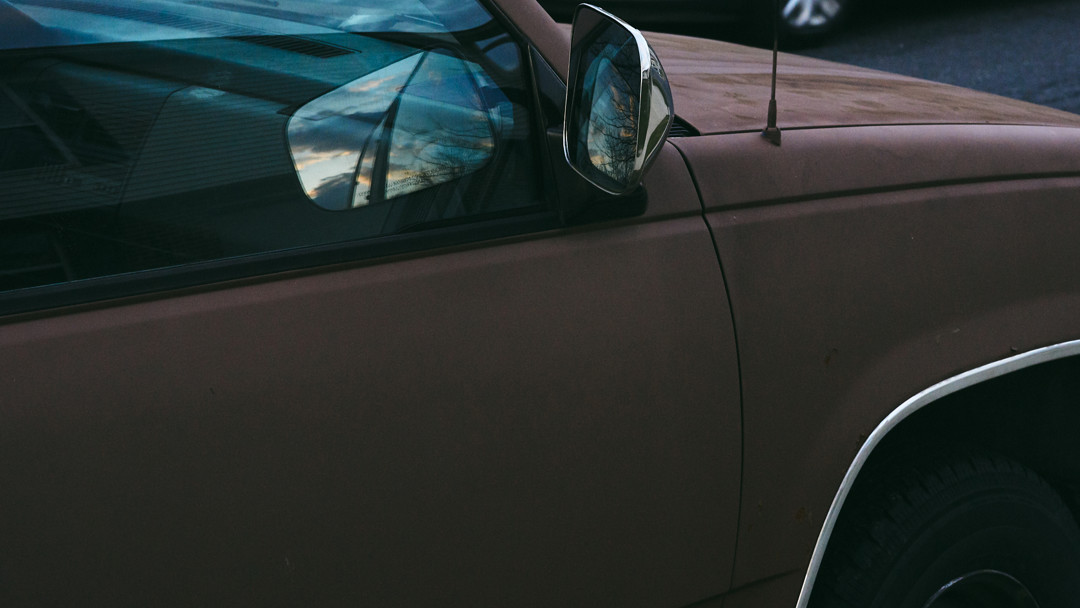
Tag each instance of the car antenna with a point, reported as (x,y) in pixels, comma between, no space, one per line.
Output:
(772,132)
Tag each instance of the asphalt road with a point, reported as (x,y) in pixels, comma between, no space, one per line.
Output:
(1026,49)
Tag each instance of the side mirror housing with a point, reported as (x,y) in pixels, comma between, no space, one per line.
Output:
(618,102)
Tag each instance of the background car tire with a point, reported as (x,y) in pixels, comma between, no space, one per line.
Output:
(993,529)
(803,23)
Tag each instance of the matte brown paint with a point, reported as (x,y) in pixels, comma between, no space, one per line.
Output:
(533,422)
(847,304)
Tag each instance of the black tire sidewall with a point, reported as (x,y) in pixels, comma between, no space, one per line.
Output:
(1003,531)
(919,526)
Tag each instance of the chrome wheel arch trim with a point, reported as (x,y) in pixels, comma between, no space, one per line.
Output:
(909,407)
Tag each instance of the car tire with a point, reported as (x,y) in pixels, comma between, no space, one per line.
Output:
(958,530)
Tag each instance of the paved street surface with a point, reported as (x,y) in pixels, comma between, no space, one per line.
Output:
(1027,49)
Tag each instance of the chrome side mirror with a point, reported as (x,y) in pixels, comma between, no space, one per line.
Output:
(618,102)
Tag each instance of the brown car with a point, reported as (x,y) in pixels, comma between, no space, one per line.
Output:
(352,303)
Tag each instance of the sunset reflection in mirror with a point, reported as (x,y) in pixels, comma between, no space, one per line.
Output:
(411,125)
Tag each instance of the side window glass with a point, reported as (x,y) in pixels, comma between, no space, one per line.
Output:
(424,124)
(140,135)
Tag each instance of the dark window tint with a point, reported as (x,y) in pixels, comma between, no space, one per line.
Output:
(144,135)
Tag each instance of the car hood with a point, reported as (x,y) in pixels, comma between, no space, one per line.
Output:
(720,87)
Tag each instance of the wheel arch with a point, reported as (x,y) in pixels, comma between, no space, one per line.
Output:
(951,400)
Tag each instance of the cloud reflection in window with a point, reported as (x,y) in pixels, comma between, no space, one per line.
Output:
(411,125)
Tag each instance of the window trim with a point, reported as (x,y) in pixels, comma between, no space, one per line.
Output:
(430,241)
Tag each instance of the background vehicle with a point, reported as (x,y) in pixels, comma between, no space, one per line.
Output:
(801,22)
(327,304)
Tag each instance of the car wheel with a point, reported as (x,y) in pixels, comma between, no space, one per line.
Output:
(805,22)
(959,531)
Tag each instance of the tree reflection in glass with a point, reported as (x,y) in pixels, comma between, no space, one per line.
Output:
(618,109)
(414,124)
(612,130)
(607,123)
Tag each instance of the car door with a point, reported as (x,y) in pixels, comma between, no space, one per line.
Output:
(250,357)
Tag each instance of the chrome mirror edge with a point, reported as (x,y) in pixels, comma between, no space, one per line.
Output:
(651,127)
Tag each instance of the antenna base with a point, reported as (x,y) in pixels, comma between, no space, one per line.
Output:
(772,134)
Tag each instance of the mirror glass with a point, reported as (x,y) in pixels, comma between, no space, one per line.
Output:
(618,105)
(611,85)
(414,124)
